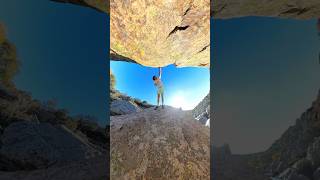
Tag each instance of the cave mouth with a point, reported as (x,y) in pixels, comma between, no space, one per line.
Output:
(266,74)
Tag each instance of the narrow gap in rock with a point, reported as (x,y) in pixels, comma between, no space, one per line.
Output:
(297,11)
(204,48)
(178,28)
(203,64)
(185,13)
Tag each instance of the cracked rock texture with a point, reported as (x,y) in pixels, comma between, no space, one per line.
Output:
(159,144)
(157,33)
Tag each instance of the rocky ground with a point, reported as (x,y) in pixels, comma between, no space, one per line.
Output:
(159,144)
(294,156)
(122,104)
(41,143)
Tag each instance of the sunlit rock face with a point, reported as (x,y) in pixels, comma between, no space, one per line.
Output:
(157,33)
(297,9)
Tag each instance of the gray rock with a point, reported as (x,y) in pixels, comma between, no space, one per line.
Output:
(313,153)
(43,145)
(202,111)
(291,174)
(298,177)
(203,118)
(92,169)
(121,107)
(316,174)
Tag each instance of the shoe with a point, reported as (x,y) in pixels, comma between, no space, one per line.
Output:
(156,108)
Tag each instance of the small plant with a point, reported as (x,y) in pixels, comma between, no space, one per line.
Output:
(112,80)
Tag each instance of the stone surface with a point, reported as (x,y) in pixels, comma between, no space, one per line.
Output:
(313,153)
(202,111)
(43,145)
(159,144)
(316,174)
(297,9)
(294,156)
(222,9)
(120,107)
(158,33)
(91,169)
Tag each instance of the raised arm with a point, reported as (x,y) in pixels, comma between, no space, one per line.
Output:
(160,72)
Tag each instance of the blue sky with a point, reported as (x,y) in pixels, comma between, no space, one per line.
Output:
(184,87)
(63,51)
(266,73)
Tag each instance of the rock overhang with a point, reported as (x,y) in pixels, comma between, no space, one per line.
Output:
(159,33)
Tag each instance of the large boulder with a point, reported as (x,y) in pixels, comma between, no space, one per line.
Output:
(43,145)
(240,8)
(158,33)
(159,144)
(120,107)
(91,169)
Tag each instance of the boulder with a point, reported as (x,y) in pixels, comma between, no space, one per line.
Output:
(202,111)
(304,167)
(313,153)
(159,144)
(120,107)
(316,174)
(44,145)
(160,33)
(91,169)
(221,9)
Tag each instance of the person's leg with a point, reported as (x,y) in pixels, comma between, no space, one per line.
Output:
(162,99)
(158,98)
